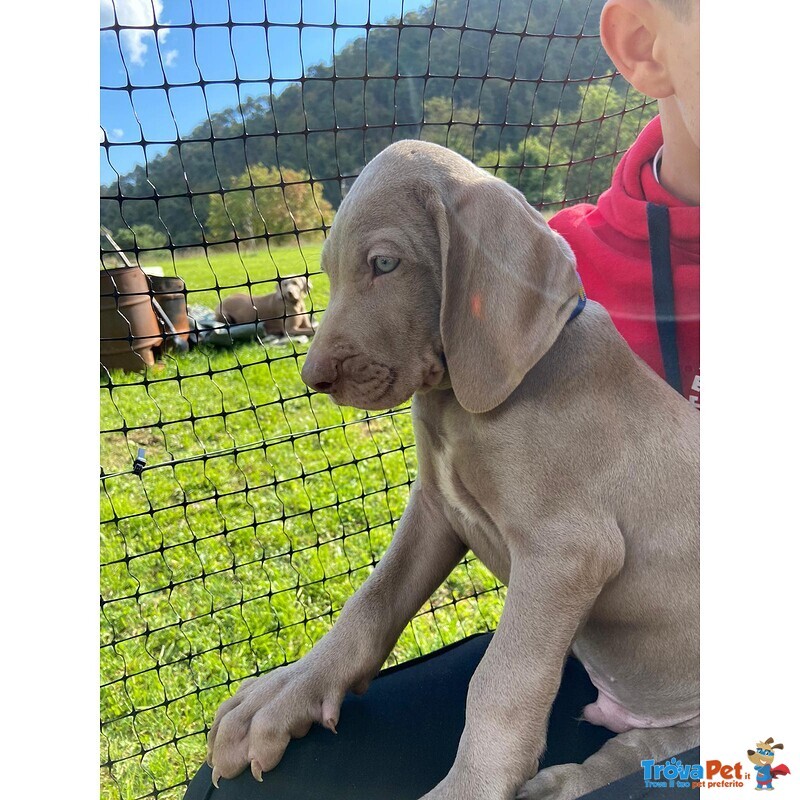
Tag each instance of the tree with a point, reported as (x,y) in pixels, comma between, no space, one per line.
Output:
(606,125)
(532,167)
(139,237)
(449,126)
(268,201)
(574,159)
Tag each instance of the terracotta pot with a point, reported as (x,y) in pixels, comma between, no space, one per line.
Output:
(129,329)
(170,294)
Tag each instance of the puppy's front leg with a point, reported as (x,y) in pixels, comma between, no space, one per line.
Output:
(255,725)
(555,579)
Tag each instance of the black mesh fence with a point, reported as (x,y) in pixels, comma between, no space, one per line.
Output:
(238,510)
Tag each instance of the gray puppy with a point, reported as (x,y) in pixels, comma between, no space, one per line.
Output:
(544,445)
(282,312)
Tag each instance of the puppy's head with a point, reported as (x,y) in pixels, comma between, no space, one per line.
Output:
(438,272)
(293,290)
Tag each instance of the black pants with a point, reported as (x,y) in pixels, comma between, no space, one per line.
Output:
(399,739)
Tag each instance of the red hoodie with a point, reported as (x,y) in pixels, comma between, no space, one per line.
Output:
(612,246)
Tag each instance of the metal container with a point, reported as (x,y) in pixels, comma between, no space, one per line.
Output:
(170,294)
(129,329)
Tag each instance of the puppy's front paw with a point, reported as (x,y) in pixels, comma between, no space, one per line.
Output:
(255,725)
(560,782)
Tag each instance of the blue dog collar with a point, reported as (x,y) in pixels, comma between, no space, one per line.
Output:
(581,302)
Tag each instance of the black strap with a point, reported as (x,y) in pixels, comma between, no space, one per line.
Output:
(663,292)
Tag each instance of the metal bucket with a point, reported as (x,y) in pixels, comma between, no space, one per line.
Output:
(129,329)
(170,294)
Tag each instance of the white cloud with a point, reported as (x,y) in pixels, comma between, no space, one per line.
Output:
(170,57)
(134,45)
(106,13)
(133,14)
(118,133)
(130,13)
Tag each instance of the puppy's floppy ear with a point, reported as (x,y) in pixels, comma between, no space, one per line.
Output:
(508,287)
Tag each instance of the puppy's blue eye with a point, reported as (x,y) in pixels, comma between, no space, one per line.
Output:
(384,264)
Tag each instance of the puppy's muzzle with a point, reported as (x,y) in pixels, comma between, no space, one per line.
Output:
(320,372)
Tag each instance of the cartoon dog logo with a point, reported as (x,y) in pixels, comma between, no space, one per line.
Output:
(762,757)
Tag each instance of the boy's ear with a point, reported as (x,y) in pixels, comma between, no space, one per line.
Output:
(629,31)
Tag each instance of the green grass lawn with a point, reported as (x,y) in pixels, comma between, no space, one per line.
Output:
(261,509)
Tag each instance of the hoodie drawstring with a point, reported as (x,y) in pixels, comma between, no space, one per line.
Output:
(663,293)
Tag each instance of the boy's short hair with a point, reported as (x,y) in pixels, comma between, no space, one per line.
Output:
(680,8)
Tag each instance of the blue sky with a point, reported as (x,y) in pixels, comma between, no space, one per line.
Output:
(180,57)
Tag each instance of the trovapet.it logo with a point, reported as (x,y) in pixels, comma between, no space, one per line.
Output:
(716,774)
(674,774)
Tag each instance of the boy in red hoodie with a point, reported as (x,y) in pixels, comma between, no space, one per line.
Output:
(638,249)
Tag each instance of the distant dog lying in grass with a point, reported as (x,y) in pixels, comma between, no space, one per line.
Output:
(282,313)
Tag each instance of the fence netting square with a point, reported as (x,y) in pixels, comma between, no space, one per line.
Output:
(230,133)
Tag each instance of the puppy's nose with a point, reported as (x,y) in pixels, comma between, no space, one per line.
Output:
(320,372)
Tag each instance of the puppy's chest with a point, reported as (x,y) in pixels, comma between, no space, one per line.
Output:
(469,501)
